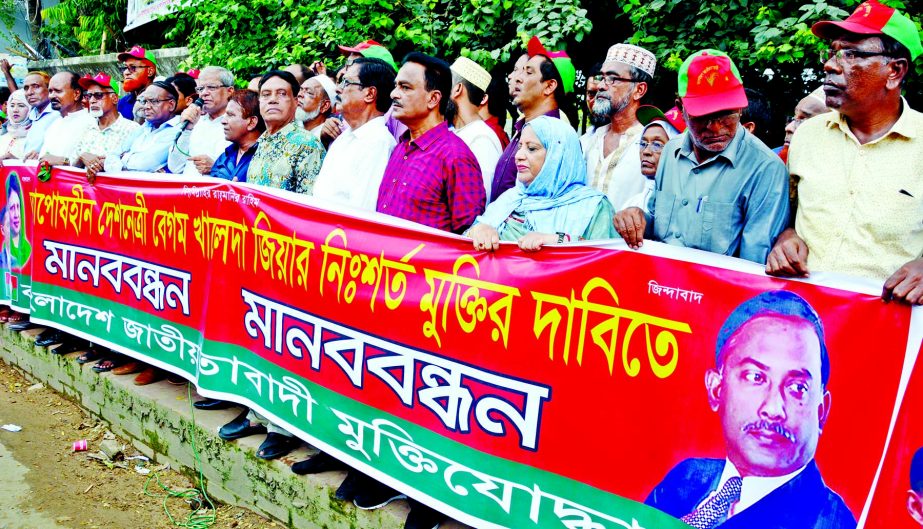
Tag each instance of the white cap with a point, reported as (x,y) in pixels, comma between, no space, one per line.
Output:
(632,56)
(328,85)
(472,72)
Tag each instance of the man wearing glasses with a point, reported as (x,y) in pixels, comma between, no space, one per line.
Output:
(363,96)
(202,141)
(139,67)
(612,154)
(147,148)
(288,157)
(107,130)
(857,168)
(717,188)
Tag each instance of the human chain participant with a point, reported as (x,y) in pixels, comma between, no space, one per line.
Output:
(406,139)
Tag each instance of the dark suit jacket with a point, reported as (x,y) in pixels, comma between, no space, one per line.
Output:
(805,502)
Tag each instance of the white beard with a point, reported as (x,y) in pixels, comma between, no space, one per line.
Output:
(302,116)
(96,113)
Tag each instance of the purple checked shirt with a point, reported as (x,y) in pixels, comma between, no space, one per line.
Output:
(434,180)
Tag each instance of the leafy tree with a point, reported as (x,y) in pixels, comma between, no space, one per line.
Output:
(250,35)
(87,27)
(770,40)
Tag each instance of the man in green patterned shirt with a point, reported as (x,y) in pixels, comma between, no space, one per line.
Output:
(288,157)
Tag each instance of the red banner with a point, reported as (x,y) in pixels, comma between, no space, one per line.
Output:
(569,386)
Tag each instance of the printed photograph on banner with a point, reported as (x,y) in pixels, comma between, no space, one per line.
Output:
(897,502)
(16,239)
(768,387)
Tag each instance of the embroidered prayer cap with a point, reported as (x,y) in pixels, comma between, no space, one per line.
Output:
(102,80)
(472,72)
(560,60)
(138,53)
(372,50)
(873,18)
(709,82)
(632,56)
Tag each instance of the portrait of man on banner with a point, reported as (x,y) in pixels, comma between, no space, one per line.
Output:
(915,494)
(16,243)
(769,389)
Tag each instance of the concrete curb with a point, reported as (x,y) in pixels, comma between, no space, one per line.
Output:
(157,420)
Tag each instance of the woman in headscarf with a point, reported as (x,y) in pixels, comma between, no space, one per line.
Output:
(12,144)
(659,128)
(550,202)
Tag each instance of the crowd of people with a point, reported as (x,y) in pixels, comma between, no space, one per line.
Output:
(425,140)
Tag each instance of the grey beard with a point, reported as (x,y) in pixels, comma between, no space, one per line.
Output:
(301,115)
(96,113)
(604,110)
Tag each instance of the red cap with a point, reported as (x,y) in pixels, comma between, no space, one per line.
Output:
(364,45)
(868,19)
(649,113)
(194,73)
(138,53)
(559,59)
(100,79)
(709,82)
(873,18)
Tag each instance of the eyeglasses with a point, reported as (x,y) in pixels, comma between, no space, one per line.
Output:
(280,94)
(611,79)
(655,146)
(725,120)
(96,96)
(146,102)
(209,88)
(132,68)
(849,55)
(348,82)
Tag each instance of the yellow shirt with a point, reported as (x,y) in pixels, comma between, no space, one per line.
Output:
(860,207)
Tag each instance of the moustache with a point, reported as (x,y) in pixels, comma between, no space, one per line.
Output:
(769,427)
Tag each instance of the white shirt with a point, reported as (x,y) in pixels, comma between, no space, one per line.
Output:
(355,164)
(317,130)
(206,138)
(485,145)
(752,489)
(618,175)
(62,135)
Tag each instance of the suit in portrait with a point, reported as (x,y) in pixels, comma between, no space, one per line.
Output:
(805,502)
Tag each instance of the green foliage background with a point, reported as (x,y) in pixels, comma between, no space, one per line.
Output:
(251,36)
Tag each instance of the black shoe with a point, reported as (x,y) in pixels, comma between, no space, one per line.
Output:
(320,462)
(213,404)
(240,427)
(70,346)
(423,517)
(351,485)
(21,326)
(277,445)
(375,495)
(50,337)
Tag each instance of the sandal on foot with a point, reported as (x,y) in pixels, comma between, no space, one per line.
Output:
(106,364)
(90,356)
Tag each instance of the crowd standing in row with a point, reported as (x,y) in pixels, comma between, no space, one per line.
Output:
(842,194)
